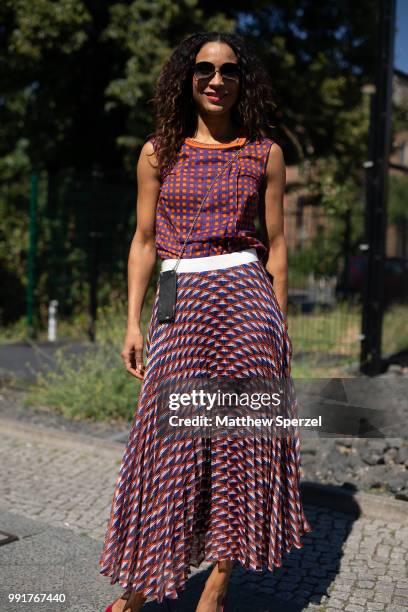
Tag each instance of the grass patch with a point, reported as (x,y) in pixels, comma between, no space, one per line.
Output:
(334,332)
(394,329)
(94,385)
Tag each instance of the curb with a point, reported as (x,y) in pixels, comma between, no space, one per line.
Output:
(354,503)
(65,439)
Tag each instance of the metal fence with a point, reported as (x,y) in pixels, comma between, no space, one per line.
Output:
(327,262)
(88,222)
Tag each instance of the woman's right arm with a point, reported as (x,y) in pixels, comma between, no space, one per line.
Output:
(142,257)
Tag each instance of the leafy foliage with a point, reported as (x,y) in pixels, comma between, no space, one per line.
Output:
(77,77)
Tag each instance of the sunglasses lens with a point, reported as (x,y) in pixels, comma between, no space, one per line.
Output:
(203,70)
(230,71)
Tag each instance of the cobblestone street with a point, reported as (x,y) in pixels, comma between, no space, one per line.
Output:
(346,564)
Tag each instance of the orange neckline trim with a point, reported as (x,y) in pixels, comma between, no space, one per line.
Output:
(218,145)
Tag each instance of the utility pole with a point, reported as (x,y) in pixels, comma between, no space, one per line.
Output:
(376,193)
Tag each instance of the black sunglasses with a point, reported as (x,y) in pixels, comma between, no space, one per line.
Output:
(206,70)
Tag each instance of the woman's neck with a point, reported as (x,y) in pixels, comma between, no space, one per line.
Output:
(216,132)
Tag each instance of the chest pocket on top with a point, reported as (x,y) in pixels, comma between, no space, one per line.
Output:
(249,177)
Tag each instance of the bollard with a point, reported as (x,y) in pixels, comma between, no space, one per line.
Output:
(52,320)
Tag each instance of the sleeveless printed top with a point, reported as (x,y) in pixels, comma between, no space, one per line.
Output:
(226,222)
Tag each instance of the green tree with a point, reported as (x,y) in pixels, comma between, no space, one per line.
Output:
(76,79)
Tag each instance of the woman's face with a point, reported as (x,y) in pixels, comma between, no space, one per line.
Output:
(215,95)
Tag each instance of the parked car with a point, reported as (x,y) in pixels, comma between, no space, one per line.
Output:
(395,277)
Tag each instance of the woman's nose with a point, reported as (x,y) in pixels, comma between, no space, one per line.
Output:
(217,78)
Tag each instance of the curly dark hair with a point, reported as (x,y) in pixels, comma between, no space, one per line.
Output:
(174,104)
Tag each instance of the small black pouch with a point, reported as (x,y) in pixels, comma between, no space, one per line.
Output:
(166,306)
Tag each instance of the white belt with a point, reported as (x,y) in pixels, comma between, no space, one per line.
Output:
(211,262)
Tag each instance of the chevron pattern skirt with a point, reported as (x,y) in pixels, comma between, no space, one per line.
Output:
(178,503)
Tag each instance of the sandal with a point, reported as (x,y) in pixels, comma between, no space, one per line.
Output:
(124,597)
(110,607)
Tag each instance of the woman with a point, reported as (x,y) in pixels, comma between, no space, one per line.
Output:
(178,502)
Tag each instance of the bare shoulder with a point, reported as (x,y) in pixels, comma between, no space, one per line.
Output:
(276,162)
(147,153)
(276,154)
(147,163)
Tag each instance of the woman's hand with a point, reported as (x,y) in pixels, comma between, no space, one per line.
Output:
(132,353)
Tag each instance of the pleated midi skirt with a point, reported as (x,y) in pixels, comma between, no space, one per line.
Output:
(179,502)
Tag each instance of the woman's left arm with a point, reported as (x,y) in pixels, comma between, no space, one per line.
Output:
(277,263)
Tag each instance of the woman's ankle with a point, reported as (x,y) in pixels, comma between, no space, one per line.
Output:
(134,602)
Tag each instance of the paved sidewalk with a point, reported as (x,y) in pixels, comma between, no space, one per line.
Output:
(56,495)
